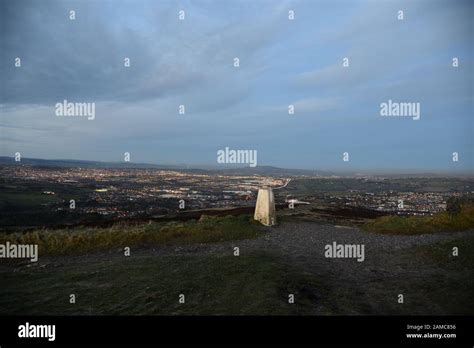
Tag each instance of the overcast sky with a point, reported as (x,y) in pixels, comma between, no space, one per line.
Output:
(282,62)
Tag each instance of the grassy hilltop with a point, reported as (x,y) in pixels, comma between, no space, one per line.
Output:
(90,263)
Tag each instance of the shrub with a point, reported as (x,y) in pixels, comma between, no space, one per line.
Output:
(80,240)
(444,221)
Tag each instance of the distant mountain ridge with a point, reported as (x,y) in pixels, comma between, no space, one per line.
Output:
(223,170)
(67,163)
(77,163)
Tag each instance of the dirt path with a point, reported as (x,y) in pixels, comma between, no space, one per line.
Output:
(391,267)
(300,243)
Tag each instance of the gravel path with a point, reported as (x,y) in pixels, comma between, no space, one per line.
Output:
(303,243)
(306,241)
(369,287)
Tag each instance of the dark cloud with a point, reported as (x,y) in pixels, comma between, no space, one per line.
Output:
(282,62)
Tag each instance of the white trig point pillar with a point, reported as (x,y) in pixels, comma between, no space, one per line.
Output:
(265,207)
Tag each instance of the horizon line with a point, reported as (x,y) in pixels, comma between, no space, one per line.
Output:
(217,167)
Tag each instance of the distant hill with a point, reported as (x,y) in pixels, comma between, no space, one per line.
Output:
(259,170)
(66,163)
